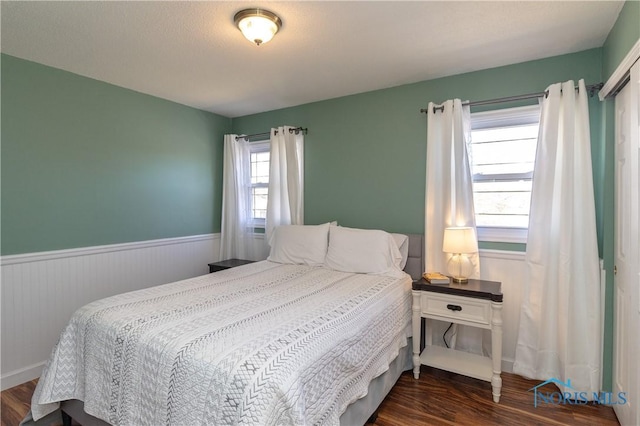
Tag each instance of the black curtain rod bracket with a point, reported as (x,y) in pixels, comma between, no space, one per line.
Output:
(591,88)
(295,130)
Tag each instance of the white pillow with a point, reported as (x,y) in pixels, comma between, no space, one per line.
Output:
(363,251)
(299,244)
(403,245)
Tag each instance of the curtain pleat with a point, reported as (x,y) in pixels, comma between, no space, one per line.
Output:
(559,335)
(236,181)
(285,205)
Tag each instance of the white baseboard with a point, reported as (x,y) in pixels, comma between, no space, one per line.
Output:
(507,365)
(22,375)
(40,291)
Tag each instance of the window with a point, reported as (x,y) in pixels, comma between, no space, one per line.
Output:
(259,182)
(503,152)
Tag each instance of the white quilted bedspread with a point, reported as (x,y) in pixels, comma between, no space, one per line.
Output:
(262,344)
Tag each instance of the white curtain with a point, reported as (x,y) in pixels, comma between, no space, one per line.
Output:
(449,193)
(286,173)
(449,197)
(559,332)
(235,199)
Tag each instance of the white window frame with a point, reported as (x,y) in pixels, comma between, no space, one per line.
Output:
(499,118)
(255,147)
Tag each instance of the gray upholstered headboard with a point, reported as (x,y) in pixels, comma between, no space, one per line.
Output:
(415,261)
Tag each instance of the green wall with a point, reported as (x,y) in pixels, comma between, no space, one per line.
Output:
(365,154)
(86,163)
(624,34)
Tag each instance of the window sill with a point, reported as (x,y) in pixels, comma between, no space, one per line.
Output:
(502,235)
(502,254)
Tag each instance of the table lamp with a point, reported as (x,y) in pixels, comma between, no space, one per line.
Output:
(460,241)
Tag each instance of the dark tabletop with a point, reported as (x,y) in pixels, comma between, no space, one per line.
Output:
(478,289)
(231,263)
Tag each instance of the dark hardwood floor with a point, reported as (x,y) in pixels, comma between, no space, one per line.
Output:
(15,403)
(437,398)
(443,398)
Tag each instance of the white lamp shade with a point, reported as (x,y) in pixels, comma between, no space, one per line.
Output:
(460,240)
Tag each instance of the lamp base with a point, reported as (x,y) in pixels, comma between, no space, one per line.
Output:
(460,268)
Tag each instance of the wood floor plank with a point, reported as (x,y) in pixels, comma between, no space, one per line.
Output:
(444,398)
(438,398)
(15,403)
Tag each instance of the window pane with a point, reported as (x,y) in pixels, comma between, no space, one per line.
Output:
(262,171)
(259,181)
(262,156)
(505,133)
(513,186)
(506,203)
(259,167)
(502,166)
(502,169)
(259,202)
(516,151)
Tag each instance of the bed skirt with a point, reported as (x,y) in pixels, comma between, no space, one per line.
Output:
(360,411)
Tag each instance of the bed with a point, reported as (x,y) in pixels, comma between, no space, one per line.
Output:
(310,336)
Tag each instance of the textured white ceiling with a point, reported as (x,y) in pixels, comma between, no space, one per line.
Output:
(191,52)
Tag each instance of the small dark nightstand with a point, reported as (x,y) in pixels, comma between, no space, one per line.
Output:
(226,264)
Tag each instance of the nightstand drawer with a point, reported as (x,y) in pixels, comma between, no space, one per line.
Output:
(449,307)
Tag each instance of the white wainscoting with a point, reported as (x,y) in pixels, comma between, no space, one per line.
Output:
(509,268)
(258,247)
(40,291)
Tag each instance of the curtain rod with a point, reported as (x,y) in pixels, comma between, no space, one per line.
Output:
(255,135)
(592,88)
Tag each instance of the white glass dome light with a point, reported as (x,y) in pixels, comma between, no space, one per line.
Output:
(257,25)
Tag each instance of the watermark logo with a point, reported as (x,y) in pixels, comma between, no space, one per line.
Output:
(572,397)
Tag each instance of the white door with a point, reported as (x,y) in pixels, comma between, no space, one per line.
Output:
(627,253)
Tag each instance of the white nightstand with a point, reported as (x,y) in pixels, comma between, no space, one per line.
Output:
(477,303)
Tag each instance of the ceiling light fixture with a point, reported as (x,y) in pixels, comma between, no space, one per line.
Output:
(257,25)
